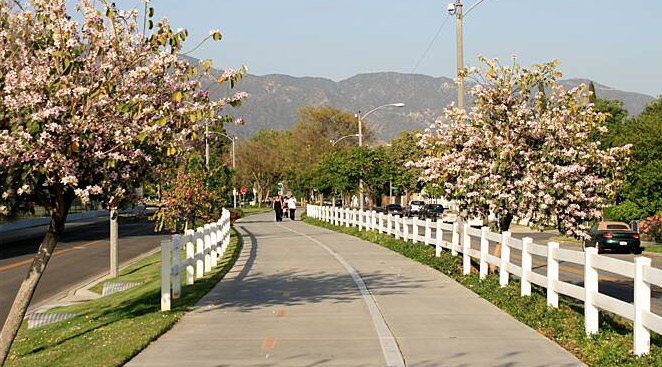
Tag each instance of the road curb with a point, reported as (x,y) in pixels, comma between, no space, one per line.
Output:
(80,292)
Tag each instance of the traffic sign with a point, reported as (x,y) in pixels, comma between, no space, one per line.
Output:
(243,190)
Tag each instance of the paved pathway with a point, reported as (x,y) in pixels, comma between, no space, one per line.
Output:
(305,296)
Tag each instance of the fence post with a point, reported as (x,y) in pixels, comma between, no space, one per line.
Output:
(176,265)
(360,218)
(552,274)
(219,237)
(212,245)
(527,263)
(348,218)
(414,230)
(642,304)
(504,276)
(466,245)
(165,274)
(190,257)
(374,220)
(381,223)
(389,224)
(226,234)
(590,289)
(484,249)
(199,253)
(405,229)
(207,240)
(428,231)
(439,238)
(455,239)
(396,229)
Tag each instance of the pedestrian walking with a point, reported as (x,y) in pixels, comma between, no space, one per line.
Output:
(278,208)
(285,203)
(292,206)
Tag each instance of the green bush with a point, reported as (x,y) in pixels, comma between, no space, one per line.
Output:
(625,212)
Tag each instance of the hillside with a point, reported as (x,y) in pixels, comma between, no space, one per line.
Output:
(274,99)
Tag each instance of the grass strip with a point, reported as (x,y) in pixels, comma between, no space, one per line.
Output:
(652,248)
(113,329)
(612,346)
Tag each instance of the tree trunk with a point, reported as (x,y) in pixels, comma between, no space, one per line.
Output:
(504,222)
(29,284)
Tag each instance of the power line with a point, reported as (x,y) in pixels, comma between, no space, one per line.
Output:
(431,44)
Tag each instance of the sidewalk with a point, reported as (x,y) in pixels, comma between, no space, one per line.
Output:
(297,298)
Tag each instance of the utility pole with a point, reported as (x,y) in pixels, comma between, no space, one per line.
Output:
(207,146)
(358,115)
(234,190)
(460,54)
(114,267)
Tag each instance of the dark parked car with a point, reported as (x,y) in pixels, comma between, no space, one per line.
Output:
(614,236)
(431,211)
(394,209)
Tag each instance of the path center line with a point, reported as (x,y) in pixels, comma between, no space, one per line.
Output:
(389,345)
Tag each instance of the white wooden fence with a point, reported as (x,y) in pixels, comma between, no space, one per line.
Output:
(204,247)
(641,271)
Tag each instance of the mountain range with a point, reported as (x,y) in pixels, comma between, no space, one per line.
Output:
(275,98)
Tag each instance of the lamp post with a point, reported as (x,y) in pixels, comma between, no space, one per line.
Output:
(360,118)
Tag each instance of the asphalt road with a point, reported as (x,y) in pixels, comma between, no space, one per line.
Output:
(82,253)
(610,284)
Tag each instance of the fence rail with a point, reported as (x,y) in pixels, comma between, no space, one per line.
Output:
(204,247)
(640,271)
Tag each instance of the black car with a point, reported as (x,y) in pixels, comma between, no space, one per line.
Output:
(394,209)
(431,211)
(614,236)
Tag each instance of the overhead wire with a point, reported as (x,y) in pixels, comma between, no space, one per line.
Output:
(434,39)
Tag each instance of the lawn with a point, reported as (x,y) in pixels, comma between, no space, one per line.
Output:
(248,210)
(611,347)
(111,330)
(652,247)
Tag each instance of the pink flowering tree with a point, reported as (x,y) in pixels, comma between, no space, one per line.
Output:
(90,109)
(524,150)
(186,197)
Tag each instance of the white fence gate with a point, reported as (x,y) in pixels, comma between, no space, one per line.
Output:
(640,271)
(204,247)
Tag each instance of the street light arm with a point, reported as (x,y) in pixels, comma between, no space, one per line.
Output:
(334,142)
(221,134)
(380,107)
(471,8)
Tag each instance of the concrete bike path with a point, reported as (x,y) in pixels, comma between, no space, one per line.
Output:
(305,296)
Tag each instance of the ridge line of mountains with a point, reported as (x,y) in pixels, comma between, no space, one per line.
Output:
(275,98)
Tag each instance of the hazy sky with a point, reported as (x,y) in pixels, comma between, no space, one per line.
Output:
(617,43)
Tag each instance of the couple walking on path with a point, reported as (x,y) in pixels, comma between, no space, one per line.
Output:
(284,206)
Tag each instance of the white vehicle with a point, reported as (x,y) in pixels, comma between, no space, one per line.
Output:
(413,207)
(449,216)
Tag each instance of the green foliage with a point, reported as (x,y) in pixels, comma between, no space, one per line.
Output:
(644,176)
(624,212)
(404,149)
(611,347)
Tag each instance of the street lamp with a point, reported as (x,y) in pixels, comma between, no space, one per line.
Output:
(232,139)
(360,118)
(334,142)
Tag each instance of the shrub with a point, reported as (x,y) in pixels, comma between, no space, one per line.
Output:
(652,226)
(625,212)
